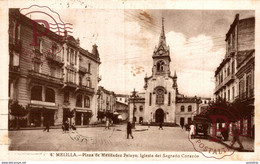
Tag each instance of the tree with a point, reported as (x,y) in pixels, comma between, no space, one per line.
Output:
(100,115)
(18,111)
(88,115)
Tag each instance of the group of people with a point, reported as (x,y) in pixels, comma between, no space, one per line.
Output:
(223,134)
(66,127)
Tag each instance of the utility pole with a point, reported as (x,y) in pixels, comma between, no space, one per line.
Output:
(133,96)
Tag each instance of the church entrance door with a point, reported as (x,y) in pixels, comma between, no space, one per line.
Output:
(159,115)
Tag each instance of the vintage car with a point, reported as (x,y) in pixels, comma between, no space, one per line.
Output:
(201,127)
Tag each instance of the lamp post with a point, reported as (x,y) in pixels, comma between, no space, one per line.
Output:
(133,96)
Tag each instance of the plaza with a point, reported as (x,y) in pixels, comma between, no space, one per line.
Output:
(99,139)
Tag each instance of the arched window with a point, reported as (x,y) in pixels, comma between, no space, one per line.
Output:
(79,101)
(36,93)
(49,95)
(189,108)
(87,102)
(182,108)
(88,83)
(160,65)
(159,96)
(141,108)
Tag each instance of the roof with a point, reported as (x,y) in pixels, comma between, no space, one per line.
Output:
(188,100)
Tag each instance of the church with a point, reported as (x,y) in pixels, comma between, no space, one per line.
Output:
(161,101)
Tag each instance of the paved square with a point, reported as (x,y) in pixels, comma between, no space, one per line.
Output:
(99,139)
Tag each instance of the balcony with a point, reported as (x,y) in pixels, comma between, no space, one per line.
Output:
(226,81)
(55,59)
(84,88)
(14,69)
(70,85)
(43,77)
(229,79)
(15,45)
(246,95)
(82,70)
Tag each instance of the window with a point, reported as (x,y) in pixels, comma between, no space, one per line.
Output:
(36,93)
(189,108)
(66,97)
(159,96)
(49,95)
(87,102)
(88,83)
(141,108)
(80,80)
(89,67)
(233,93)
(160,66)
(169,99)
(79,101)
(248,85)
(53,71)
(150,99)
(233,67)
(37,67)
(68,54)
(182,108)
(228,97)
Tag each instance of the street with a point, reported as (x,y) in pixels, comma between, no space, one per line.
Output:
(99,139)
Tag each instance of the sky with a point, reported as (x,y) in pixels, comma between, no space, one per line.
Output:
(126,40)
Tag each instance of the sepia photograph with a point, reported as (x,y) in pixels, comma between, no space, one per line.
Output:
(131,80)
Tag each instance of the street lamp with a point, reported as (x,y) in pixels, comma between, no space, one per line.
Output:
(133,96)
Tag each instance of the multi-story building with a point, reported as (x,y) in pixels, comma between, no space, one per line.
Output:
(122,106)
(235,74)
(46,76)
(240,38)
(106,100)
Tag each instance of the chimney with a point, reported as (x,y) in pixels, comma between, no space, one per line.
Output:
(95,50)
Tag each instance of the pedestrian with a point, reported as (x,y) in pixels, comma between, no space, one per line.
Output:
(65,127)
(235,133)
(192,130)
(107,124)
(182,125)
(129,130)
(160,126)
(148,122)
(47,126)
(73,128)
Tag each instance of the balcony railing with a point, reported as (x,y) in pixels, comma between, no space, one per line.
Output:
(227,80)
(41,76)
(15,45)
(246,95)
(15,69)
(82,70)
(85,88)
(55,59)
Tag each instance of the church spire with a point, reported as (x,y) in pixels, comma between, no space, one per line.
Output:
(162,39)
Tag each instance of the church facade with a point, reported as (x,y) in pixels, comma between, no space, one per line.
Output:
(162,101)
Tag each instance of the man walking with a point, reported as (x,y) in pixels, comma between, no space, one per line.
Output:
(160,126)
(235,133)
(129,130)
(47,126)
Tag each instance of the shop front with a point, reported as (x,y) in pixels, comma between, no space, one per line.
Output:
(82,117)
(39,116)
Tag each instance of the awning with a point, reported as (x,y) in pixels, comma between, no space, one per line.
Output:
(32,106)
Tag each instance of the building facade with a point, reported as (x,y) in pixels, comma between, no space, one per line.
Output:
(122,106)
(235,74)
(106,100)
(46,76)
(162,101)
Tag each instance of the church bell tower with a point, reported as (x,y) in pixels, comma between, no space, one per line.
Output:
(161,56)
